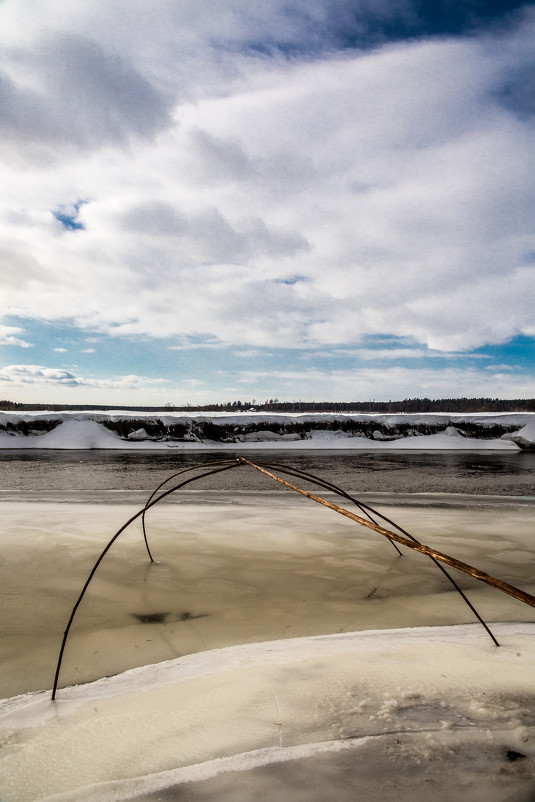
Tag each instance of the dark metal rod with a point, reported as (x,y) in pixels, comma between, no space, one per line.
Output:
(404,539)
(165,481)
(105,551)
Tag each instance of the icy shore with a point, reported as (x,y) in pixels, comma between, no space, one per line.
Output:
(252,430)
(432,713)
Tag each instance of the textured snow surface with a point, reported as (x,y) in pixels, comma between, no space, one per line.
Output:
(429,713)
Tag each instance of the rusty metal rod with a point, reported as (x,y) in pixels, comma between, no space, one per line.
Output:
(516,593)
(366,509)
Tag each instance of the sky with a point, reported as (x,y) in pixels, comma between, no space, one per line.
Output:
(205,201)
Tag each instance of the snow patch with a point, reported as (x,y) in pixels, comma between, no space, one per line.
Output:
(525,438)
(139,434)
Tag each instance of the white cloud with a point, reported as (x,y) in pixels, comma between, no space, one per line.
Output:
(60,350)
(252,353)
(7,337)
(31,374)
(263,201)
(374,354)
(192,346)
(68,93)
(33,383)
(20,375)
(383,384)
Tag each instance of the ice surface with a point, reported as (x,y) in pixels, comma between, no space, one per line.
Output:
(283,653)
(233,573)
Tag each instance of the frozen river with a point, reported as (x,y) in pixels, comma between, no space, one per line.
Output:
(243,559)
(244,562)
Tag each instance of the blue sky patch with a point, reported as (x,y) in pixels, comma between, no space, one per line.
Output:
(67,215)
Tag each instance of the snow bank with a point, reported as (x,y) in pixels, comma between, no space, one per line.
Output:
(432,713)
(125,431)
(525,438)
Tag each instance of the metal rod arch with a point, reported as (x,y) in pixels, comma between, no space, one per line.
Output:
(405,539)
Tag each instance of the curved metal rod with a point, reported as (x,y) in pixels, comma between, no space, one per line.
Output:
(405,539)
(173,476)
(365,508)
(107,548)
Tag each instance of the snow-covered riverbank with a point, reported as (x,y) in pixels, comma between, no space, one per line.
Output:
(126,431)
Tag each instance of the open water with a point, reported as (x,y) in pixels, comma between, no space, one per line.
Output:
(85,474)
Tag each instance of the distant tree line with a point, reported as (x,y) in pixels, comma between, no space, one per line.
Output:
(411,405)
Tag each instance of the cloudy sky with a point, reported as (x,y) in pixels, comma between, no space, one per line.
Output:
(210,200)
